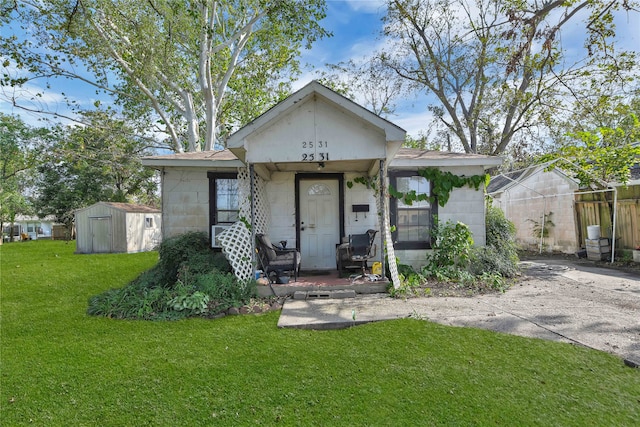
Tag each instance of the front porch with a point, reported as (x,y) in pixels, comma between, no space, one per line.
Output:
(326,284)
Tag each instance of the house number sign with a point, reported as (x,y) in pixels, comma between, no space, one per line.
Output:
(314,151)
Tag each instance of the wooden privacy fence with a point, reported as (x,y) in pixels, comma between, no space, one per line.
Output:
(596,209)
(61,232)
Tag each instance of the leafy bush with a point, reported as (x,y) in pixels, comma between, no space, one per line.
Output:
(500,255)
(403,269)
(189,280)
(193,249)
(450,257)
(454,259)
(225,290)
(130,302)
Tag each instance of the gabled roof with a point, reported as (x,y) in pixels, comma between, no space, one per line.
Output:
(405,157)
(502,181)
(34,218)
(505,181)
(314,88)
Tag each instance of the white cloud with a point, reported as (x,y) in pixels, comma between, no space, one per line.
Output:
(366,6)
(304,79)
(414,123)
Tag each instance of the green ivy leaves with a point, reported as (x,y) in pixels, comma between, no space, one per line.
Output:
(442,183)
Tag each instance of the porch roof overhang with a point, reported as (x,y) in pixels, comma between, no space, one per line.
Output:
(209,159)
(316,129)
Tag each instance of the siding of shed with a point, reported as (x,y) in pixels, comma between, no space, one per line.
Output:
(84,232)
(524,206)
(139,237)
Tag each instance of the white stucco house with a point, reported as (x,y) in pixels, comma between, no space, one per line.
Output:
(307,172)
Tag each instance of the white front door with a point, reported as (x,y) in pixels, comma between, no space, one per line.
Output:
(319,223)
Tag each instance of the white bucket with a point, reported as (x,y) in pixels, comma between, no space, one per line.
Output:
(593,232)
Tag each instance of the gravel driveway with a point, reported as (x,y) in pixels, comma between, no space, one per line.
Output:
(556,300)
(559,300)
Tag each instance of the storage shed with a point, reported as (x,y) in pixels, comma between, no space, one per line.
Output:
(117,227)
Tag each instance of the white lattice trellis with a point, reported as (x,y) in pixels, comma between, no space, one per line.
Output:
(236,240)
(236,246)
(262,213)
(383,206)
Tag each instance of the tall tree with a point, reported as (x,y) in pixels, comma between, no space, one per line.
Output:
(368,82)
(600,148)
(95,163)
(20,147)
(496,67)
(193,67)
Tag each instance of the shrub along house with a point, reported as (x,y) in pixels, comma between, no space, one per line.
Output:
(308,172)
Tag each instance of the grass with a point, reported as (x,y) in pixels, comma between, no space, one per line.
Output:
(62,367)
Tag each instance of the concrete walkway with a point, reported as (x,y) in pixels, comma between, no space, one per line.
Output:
(559,301)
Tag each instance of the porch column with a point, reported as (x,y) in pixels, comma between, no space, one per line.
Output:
(391,253)
(383,213)
(252,193)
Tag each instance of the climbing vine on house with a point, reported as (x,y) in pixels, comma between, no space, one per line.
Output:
(442,183)
(369,182)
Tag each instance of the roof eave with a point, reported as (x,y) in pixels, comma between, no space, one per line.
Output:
(485,162)
(160,163)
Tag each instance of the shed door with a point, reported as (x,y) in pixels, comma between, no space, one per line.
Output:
(100,234)
(319,223)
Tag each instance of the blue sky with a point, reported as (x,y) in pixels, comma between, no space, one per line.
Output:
(356,26)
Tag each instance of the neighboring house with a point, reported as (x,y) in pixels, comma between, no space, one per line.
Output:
(307,172)
(31,226)
(107,227)
(537,195)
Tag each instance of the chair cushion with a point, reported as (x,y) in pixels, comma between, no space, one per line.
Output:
(288,256)
(282,263)
(267,247)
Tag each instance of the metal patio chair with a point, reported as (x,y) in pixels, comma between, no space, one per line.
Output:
(360,249)
(276,260)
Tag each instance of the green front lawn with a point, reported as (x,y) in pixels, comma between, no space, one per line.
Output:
(62,367)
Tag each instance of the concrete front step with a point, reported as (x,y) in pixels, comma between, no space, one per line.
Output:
(321,292)
(324,294)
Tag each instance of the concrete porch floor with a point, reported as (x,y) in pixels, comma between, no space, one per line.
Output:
(326,281)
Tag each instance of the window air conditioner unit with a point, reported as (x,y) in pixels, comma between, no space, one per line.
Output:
(216,230)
